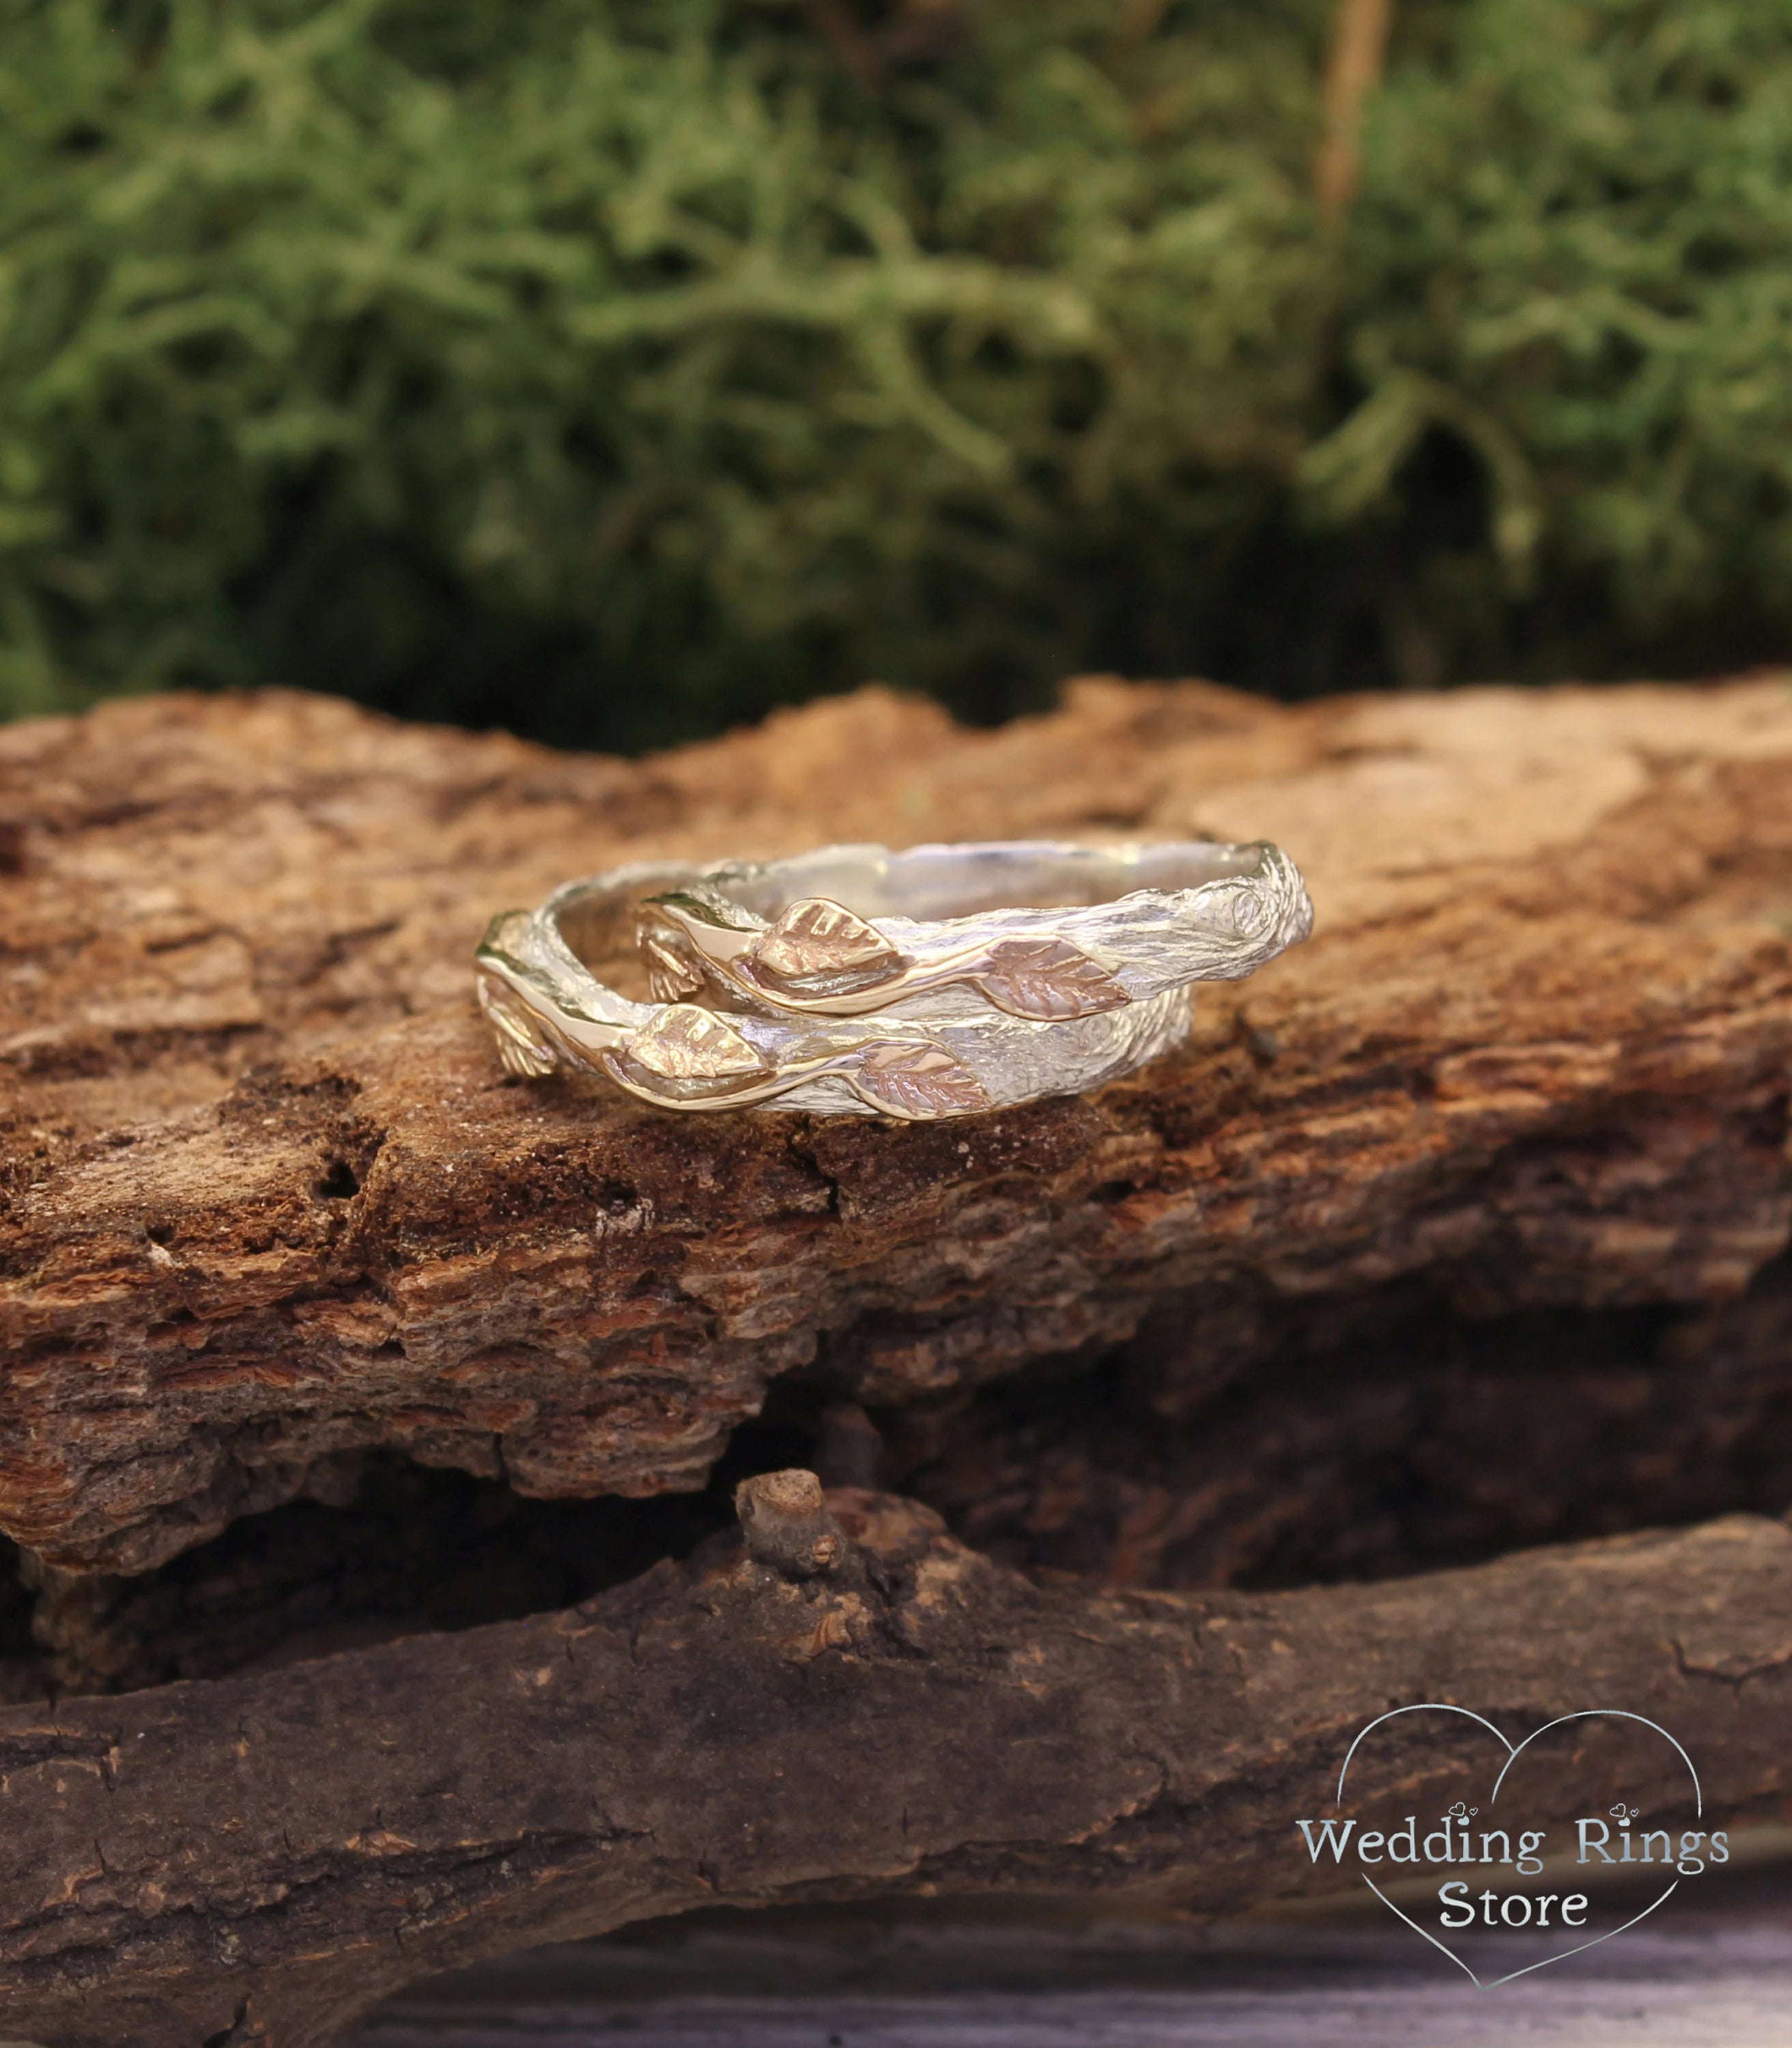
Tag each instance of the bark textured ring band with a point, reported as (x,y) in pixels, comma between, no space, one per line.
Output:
(935,981)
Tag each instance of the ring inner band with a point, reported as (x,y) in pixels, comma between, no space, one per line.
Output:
(597,922)
(930,882)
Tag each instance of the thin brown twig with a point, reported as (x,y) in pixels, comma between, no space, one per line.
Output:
(920,30)
(856,51)
(1352,71)
(1139,21)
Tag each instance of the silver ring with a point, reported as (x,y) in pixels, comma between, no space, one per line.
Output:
(935,981)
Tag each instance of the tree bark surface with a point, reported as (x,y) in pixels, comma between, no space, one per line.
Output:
(272,1208)
(269,1201)
(256,1860)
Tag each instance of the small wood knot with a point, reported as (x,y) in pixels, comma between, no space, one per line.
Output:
(784,1517)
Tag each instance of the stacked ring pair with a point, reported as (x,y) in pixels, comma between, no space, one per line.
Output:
(932,983)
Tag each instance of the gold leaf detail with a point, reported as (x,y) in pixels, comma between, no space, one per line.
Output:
(523,1047)
(672,974)
(918,1081)
(817,939)
(1047,980)
(686,1043)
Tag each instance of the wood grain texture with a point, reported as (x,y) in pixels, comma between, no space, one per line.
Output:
(257,1860)
(270,1199)
(272,1205)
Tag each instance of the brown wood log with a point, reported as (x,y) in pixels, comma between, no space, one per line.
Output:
(1493,1174)
(256,1860)
(270,1202)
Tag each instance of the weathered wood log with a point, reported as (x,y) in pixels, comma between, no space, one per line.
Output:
(256,1860)
(270,1202)
(271,1208)
(1403,1443)
(1414,1445)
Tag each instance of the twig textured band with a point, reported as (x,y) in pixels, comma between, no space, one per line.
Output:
(935,981)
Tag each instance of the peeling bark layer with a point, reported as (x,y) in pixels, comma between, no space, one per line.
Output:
(1411,1444)
(257,1860)
(270,1201)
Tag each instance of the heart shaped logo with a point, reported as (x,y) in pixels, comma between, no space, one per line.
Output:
(1587,1754)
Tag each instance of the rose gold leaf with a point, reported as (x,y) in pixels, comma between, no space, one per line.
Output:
(523,1047)
(918,1081)
(672,974)
(815,937)
(686,1043)
(1047,978)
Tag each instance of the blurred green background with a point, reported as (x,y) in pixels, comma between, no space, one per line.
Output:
(612,370)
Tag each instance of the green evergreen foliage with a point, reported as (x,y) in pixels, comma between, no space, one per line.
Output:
(612,369)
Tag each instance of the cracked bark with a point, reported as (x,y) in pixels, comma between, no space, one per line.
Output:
(270,1210)
(270,1201)
(272,1854)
